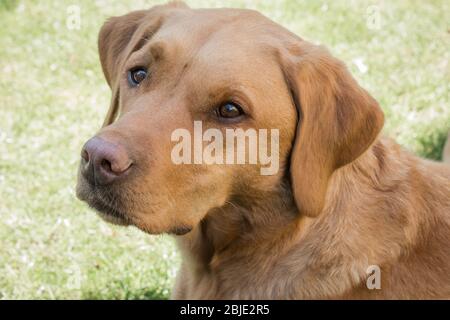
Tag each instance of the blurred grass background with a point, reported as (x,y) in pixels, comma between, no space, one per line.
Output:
(53,97)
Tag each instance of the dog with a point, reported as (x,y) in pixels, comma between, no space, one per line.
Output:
(348,215)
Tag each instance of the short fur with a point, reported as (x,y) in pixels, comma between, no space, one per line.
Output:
(345,198)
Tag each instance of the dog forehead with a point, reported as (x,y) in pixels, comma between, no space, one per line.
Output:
(193,28)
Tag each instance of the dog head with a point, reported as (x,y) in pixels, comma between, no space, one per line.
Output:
(171,67)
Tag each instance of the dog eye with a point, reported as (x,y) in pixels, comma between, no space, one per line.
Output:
(136,76)
(230,110)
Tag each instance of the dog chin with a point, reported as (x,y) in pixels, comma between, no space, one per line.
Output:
(180,230)
(107,212)
(114,219)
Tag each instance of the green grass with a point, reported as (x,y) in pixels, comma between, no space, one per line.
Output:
(53,97)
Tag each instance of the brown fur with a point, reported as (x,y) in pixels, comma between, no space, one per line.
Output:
(345,198)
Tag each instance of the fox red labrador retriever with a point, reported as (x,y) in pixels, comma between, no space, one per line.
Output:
(349,214)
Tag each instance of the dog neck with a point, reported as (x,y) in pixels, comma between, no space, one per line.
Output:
(359,212)
(242,222)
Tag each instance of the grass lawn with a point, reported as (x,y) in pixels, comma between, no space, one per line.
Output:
(53,97)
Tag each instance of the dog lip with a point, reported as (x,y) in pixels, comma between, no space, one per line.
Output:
(109,212)
(106,211)
(114,219)
(180,230)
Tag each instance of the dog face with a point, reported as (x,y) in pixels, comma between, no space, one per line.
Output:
(170,66)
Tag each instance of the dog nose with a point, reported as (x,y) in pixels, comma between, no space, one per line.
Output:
(103,162)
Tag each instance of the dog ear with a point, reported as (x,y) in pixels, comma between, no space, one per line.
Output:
(121,36)
(113,39)
(337,121)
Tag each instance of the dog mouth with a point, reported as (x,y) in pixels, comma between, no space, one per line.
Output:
(110,206)
(110,213)
(107,205)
